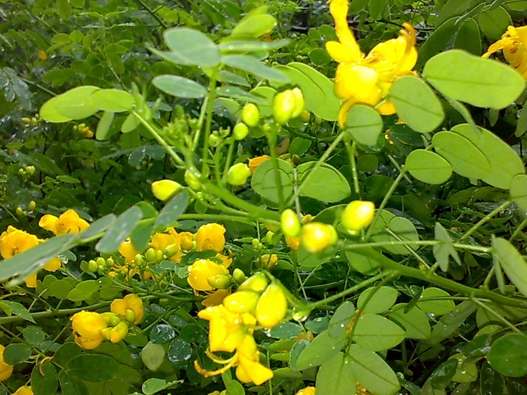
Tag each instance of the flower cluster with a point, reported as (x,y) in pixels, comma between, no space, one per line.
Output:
(367,79)
(90,329)
(232,323)
(513,43)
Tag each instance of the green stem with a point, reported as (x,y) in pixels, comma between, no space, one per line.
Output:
(496,314)
(151,12)
(271,139)
(486,218)
(208,120)
(352,149)
(518,230)
(53,313)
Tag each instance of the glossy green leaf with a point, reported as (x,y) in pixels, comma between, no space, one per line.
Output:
(93,367)
(494,22)
(97,227)
(264,182)
(466,159)
(443,374)
(518,191)
(179,86)
(172,210)
(74,104)
(336,376)
(512,263)
(341,319)
(377,333)
(253,26)
(325,183)
(504,161)
(322,349)
(416,104)
(192,47)
(179,352)
(468,37)
(428,167)
(113,100)
(44,379)
(103,126)
(377,299)
(508,355)
(254,66)
(129,124)
(16,353)
(372,372)
(441,305)
(34,334)
(364,124)
(83,290)
(474,80)
(491,382)
(15,308)
(120,230)
(414,321)
(446,249)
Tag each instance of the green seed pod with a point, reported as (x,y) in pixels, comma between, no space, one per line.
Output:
(239,276)
(219,281)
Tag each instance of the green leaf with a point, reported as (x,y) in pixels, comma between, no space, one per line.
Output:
(253,26)
(113,100)
(444,250)
(437,41)
(518,191)
(74,104)
(17,309)
(172,210)
(428,167)
(341,319)
(468,37)
(416,104)
(192,47)
(319,57)
(494,23)
(33,334)
(364,124)
(474,80)
(140,236)
(64,9)
(508,355)
(94,368)
(443,374)
(103,127)
(376,8)
(44,379)
(491,382)
(380,301)
(129,124)
(154,385)
(361,263)
(240,94)
(120,230)
(179,86)
(97,227)
(377,333)
(254,66)
(70,385)
(316,88)
(466,159)
(322,349)
(504,161)
(413,321)
(453,8)
(179,352)
(233,387)
(83,290)
(521,126)
(372,372)
(512,263)
(263,180)
(16,353)
(336,377)
(439,306)
(252,46)
(325,183)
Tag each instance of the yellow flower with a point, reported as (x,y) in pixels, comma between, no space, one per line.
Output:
(216,298)
(117,333)
(367,79)
(14,241)
(169,238)
(187,241)
(210,237)
(68,222)
(24,390)
(293,242)
(249,367)
(316,236)
(307,391)
(357,215)
(5,369)
(257,161)
(128,250)
(201,270)
(87,328)
(514,46)
(129,308)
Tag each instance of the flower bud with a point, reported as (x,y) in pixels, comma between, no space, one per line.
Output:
(239,276)
(165,189)
(171,250)
(110,262)
(271,307)
(111,319)
(267,261)
(241,301)
(219,281)
(31,206)
(101,261)
(357,215)
(290,223)
(317,236)
(251,115)
(139,260)
(30,170)
(238,174)
(150,255)
(26,121)
(118,332)
(299,102)
(192,180)
(159,256)
(305,116)
(130,316)
(257,283)
(293,242)
(240,131)
(92,266)
(19,212)
(284,105)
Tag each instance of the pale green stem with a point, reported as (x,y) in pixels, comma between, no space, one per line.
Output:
(496,314)
(486,218)
(352,149)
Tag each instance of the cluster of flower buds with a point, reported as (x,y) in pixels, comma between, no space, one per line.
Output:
(33,121)
(83,130)
(27,171)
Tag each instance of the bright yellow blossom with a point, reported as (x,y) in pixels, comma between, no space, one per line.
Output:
(514,46)
(68,222)
(128,250)
(210,237)
(367,79)
(201,270)
(87,326)
(129,308)
(307,391)
(24,390)
(249,367)
(5,369)
(169,238)
(257,161)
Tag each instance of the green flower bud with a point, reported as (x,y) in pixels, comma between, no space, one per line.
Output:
(317,236)
(299,102)
(159,256)
(290,223)
(31,206)
(101,261)
(251,115)
(357,215)
(165,189)
(111,319)
(240,131)
(110,262)
(150,255)
(192,180)
(92,266)
(171,250)
(130,316)
(257,283)
(139,260)
(239,276)
(241,301)
(284,105)
(305,116)
(219,281)
(238,174)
